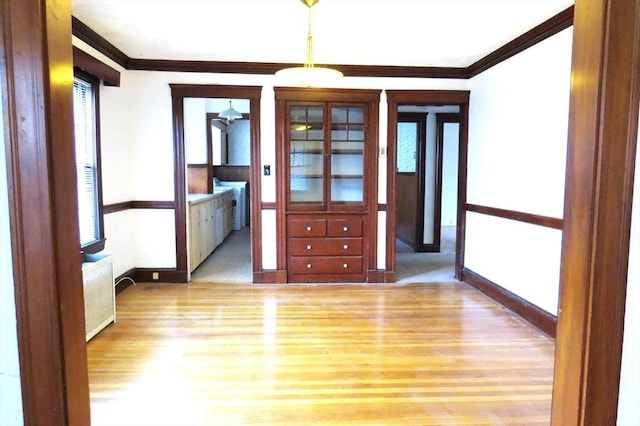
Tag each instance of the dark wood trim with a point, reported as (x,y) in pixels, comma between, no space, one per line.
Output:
(389,277)
(124,281)
(550,27)
(272,67)
(441,119)
(209,164)
(178,93)
(530,312)
(534,219)
(282,186)
(165,275)
(36,77)
(98,244)
(137,204)
(117,207)
(603,126)
(372,121)
(396,98)
(541,32)
(267,205)
(87,63)
(392,160)
(255,181)
(420,119)
(95,40)
(270,276)
(179,179)
(145,275)
(463,150)
(376,276)
(145,204)
(381,207)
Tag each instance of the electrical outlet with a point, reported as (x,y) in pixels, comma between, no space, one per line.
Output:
(154,276)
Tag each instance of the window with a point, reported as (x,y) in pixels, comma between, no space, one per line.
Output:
(87,142)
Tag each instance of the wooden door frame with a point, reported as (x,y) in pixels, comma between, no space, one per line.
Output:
(603,124)
(421,119)
(441,119)
(50,330)
(178,93)
(37,86)
(396,98)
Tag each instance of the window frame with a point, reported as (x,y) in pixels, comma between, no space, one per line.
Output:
(98,244)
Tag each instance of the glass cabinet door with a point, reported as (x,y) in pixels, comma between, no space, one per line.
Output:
(347,155)
(306,154)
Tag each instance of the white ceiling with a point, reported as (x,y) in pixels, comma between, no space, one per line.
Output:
(440,33)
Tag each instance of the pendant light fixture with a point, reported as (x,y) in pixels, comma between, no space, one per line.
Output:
(229,114)
(309,74)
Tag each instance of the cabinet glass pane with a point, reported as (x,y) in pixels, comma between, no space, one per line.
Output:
(347,169)
(347,115)
(346,189)
(306,154)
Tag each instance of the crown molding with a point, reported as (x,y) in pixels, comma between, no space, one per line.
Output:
(550,27)
(95,40)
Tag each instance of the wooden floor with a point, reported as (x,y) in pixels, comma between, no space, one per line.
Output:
(241,354)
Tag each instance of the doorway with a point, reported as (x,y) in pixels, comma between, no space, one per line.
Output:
(426,191)
(198,173)
(218,155)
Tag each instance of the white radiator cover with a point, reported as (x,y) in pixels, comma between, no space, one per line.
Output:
(99,293)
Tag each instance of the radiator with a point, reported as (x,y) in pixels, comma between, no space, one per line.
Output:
(99,293)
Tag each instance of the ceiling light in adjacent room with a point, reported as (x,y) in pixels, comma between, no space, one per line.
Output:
(229,114)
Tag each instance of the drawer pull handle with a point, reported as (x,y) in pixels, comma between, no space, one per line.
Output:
(308,246)
(346,246)
(345,228)
(345,266)
(309,228)
(309,266)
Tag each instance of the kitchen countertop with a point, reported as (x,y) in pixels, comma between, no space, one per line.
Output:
(199,198)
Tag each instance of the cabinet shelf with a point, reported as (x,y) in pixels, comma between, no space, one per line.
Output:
(339,151)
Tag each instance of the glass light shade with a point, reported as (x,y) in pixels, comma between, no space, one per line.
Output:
(308,76)
(229,114)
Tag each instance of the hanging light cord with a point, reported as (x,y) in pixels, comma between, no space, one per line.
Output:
(309,63)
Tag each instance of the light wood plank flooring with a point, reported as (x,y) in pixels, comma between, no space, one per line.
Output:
(241,354)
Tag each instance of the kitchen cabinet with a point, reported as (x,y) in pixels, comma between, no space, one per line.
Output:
(210,222)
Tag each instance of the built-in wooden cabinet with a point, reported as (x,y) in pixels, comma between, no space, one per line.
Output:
(210,222)
(328,144)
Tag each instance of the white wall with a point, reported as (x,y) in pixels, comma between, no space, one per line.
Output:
(518,121)
(10,388)
(195,130)
(450,149)
(628,407)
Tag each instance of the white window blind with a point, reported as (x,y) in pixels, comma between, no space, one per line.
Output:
(86,162)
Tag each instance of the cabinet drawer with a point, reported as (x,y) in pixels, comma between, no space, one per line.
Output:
(307,227)
(325,246)
(326,264)
(350,227)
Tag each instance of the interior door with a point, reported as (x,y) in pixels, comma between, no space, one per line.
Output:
(410,178)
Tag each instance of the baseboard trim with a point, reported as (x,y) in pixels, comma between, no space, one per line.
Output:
(270,276)
(124,281)
(145,275)
(533,314)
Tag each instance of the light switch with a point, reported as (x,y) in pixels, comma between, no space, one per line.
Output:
(267,170)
